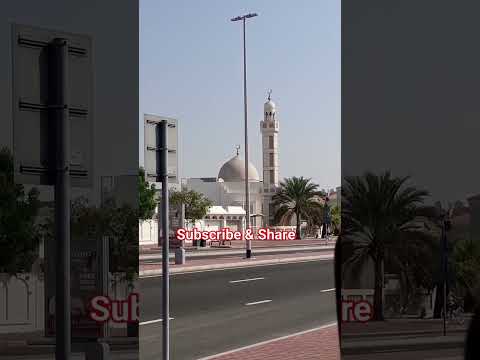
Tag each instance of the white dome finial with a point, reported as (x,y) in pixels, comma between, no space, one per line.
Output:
(269,106)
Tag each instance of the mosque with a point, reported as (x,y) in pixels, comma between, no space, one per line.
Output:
(227,190)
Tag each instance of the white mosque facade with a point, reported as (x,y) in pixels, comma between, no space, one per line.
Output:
(227,189)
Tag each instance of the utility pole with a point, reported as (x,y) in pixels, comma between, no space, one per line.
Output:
(162,175)
(445,228)
(243,18)
(58,106)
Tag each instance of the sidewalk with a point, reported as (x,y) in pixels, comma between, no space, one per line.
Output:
(222,252)
(321,343)
(393,327)
(256,244)
(35,344)
(192,265)
(402,336)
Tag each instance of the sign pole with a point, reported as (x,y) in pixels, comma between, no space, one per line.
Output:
(60,118)
(162,136)
(445,274)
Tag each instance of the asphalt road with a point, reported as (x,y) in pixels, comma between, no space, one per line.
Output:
(214,312)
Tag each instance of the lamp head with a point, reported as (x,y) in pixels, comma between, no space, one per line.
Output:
(243,17)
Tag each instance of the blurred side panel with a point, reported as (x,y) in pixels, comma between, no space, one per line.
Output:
(101,105)
(410,184)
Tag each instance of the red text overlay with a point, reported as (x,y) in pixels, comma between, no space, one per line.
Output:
(361,311)
(103,309)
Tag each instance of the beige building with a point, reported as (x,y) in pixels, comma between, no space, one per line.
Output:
(269,127)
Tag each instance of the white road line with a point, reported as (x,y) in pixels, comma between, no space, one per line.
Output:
(258,302)
(328,290)
(267,342)
(246,280)
(152,321)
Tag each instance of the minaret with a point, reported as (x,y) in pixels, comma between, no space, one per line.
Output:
(269,129)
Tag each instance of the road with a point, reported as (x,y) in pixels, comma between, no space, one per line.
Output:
(216,311)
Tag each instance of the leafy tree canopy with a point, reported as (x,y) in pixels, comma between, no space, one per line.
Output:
(196,204)
(19,234)
(146,197)
(467,263)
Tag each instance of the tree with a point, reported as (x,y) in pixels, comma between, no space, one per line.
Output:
(413,255)
(20,236)
(466,259)
(196,204)
(118,223)
(297,197)
(336,219)
(374,207)
(146,197)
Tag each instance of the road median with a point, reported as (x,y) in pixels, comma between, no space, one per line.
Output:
(147,270)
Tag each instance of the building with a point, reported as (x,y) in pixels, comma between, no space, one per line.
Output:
(227,193)
(227,189)
(269,127)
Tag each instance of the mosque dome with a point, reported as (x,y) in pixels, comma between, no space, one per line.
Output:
(234,171)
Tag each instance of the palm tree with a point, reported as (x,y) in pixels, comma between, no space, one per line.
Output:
(374,207)
(297,197)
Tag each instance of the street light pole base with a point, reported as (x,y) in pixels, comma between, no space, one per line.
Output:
(248,254)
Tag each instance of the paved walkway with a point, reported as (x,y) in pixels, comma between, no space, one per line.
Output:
(313,345)
(400,326)
(256,244)
(397,339)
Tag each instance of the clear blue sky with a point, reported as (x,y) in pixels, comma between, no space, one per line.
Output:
(191,69)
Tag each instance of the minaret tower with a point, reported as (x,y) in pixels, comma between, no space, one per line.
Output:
(269,128)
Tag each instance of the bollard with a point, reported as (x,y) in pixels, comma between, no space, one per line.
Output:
(180,256)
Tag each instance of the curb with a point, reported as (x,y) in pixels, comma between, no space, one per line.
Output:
(438,342)
(225,252)
(196,268)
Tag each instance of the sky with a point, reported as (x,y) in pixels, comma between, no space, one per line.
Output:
(191,69)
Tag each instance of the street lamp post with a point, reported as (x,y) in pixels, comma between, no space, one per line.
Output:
(243,18)
(446,224)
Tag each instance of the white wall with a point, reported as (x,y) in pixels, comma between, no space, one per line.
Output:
(21,303)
